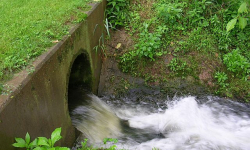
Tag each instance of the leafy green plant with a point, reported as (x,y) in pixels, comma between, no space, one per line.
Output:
(242,17)
(179,67)
(110,140)
(128,61)
(149,44)
(117,12)
(85,147)
(224,87)
(173,64)
(170,12)
(237,64)
(198,40)
(135,20)
(221,79)
(40,143)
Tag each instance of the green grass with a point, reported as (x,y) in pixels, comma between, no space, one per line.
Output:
(29,27)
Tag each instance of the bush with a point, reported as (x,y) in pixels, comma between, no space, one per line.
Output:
(117,12)
(150,44)
(237,64)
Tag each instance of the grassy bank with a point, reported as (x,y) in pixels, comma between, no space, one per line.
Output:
(188,39)
(28,27)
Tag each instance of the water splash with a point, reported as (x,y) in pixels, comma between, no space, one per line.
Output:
(186,124)
(96,120)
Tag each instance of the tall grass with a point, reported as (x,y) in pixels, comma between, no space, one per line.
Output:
(28,27)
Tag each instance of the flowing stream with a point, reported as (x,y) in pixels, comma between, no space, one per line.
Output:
(185,123)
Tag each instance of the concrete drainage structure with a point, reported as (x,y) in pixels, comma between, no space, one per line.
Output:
(38,102)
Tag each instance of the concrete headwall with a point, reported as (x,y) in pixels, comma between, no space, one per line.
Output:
(38,102)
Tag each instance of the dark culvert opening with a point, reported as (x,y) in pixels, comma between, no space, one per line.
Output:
(80,81)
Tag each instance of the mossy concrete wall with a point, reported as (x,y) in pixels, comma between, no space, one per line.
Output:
(37,101)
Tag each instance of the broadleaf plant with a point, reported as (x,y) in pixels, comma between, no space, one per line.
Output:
(231,24)
(243,8)
(242,22)
(55,136)
(117,12)
(19,142)
(243,11)
(40,143)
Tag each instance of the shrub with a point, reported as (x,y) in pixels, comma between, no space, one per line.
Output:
(221,79)
(237,64)
(117,12)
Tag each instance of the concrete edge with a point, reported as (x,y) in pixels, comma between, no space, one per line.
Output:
(22,78)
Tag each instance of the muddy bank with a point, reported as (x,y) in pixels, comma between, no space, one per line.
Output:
(115,83)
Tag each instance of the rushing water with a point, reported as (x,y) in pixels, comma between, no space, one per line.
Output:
(186,123)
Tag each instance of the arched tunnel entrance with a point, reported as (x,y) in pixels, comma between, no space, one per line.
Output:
(80,80)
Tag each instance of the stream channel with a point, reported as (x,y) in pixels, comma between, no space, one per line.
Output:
(153,122)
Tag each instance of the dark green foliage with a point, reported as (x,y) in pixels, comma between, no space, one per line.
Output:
(170,13)
(241,18)
(1,88)
(128,61)
(179,67)
(149,44)
(221,79)
(190,29)
(237,64)
(117,12)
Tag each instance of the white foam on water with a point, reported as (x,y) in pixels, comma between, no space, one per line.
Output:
(189,126)
(184,125)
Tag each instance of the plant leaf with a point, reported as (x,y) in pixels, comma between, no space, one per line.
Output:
(43,141)
(231,24)
(56,135)
(19,145)
(243,8)
(39,148)
(50,142)
(242,22)
(105,140)
(33,143)
(20,142)
(27,138)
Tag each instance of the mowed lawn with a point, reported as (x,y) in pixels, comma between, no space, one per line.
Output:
(29,27)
